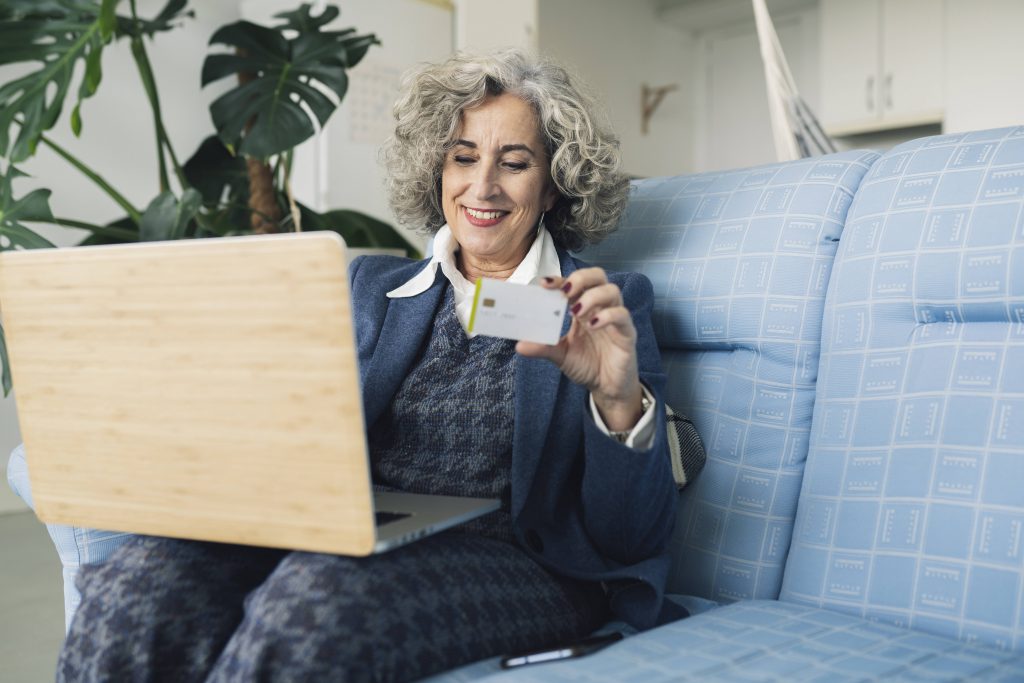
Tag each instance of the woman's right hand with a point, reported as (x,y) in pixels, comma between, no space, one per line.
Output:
(599,351)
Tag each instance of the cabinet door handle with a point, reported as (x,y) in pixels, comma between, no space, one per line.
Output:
(888,91)
(869,93)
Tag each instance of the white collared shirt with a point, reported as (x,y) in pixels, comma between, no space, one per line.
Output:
(540,261)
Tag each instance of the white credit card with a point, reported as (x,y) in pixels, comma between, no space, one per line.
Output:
(515,311)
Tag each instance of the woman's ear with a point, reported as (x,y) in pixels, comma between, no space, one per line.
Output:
(550,197)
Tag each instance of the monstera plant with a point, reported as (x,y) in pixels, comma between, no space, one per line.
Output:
(237,182)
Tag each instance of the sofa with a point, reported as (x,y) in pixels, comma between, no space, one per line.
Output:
(847,334)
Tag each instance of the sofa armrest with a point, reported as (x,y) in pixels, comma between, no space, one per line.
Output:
(17,475)
(75,545)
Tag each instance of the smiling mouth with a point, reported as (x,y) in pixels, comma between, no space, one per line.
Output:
(484,217)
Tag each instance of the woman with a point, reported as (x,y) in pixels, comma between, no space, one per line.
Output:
(502,158)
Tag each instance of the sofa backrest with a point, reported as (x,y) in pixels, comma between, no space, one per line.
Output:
(740,261)
(912,507)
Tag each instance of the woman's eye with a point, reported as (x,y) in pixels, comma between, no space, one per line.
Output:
(515,165)
(463,160)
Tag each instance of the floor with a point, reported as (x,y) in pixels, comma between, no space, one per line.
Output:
(31,601)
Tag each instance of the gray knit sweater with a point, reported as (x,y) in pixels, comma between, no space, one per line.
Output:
(449,428)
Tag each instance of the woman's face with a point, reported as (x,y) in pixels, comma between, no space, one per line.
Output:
(495,183)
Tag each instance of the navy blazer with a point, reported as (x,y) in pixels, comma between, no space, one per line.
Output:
(583,505)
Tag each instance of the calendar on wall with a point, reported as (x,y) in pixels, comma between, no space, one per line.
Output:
(372,90)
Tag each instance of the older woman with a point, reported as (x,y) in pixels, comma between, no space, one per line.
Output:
(501,157)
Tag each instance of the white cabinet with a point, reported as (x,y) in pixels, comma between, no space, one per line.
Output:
(881,64)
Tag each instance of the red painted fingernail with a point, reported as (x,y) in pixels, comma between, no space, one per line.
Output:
(548,280)
(593,321)
(576,308)
(566,287)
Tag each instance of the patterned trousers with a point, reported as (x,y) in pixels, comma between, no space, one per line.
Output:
(171,610)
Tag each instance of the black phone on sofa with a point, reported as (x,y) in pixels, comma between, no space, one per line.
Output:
(577,649)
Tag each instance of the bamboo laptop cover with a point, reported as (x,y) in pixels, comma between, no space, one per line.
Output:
(204,389)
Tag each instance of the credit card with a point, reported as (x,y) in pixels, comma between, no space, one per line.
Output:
(515,311)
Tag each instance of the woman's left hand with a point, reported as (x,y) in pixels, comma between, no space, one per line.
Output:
(599,352)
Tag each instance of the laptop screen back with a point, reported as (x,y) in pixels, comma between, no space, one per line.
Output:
(204,389)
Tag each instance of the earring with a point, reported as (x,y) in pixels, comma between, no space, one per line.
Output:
(540,223)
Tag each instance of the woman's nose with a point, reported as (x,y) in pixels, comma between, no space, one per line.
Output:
(484,183)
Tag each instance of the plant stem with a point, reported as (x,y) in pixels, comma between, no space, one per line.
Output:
(102,230)
(149,84)
(96,178)
(265,212)
(160,161)
(292,206)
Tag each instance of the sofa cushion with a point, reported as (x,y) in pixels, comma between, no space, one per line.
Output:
(740,261)
(912,506)
(762,640)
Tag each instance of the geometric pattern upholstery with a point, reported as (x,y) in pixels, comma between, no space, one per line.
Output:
(775,642)
(912,508)
(740,261)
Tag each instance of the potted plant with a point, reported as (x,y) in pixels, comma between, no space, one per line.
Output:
(237,182)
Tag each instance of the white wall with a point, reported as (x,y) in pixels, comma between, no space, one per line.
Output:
(482,25)
(732,125)
(984,81)
(616,47)
(117,141)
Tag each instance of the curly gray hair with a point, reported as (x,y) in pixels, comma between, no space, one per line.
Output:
(584,152)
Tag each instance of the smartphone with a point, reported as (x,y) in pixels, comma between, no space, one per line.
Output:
(577,649)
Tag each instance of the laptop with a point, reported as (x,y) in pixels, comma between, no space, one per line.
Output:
(205,389)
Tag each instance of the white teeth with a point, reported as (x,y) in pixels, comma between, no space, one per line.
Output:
(483,215)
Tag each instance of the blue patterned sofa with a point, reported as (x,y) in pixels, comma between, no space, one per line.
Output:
(847,333)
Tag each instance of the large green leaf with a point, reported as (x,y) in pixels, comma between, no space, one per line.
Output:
(163,21)
(123,226)
(35,206)
(222,221)
(223,181)
(358,229)
(56,35)
(214,171)
(168,218)
(5,372)
(291,66)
